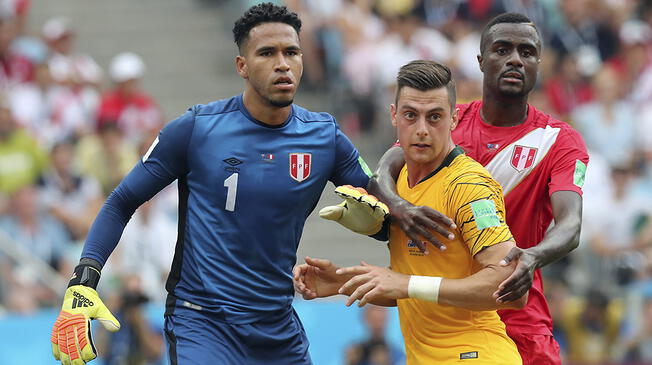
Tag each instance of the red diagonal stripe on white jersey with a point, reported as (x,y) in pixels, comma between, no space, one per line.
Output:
(500,166)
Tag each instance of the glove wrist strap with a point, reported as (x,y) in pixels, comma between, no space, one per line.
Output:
(85,274)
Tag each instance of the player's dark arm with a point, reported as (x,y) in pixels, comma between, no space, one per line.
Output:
(418,222)
(165,162)
(135,189)
(557,243)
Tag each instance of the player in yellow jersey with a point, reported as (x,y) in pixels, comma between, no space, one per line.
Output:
(445,298)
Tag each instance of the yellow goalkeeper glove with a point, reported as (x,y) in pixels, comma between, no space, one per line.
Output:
(72,341)
(360,212)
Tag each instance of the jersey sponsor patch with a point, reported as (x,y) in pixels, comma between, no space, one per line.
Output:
(579,174)
(364,166)
(300,164)
(469,355)
(484,214)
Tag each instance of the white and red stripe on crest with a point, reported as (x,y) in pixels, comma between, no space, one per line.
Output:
(300,166)
(523,157)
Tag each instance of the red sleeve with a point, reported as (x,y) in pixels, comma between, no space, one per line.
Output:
(569,162)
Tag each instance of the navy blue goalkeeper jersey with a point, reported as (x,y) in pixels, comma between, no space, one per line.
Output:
(245,191)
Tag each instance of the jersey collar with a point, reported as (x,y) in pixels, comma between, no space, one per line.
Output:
(447,161)
(244,111)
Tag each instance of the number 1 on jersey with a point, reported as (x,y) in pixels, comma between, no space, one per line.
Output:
(231,184)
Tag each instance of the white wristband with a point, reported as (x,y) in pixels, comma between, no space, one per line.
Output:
(424,287)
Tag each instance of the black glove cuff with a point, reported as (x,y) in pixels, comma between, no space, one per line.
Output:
(87,273)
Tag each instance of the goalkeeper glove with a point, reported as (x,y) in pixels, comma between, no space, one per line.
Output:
(360,212)
(72,341)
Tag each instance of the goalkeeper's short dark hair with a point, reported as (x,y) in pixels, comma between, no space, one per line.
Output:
(426,75)
(263,13)
(505,18)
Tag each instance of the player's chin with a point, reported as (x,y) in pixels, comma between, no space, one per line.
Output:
(512,91)
(282,101)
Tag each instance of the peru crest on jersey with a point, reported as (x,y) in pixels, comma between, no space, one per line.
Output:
(300,164)
(523,157)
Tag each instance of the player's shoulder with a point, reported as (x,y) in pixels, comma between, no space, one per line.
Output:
(465,170)
(567,135)
(216,107)
(466,109)
(307,116)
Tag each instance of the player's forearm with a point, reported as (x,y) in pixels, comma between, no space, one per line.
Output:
(383,183)
(136,188)
(384,302)
(475,292)
(563,238)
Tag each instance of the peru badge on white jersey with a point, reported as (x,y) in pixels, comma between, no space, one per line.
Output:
(515,162)
(523,157)
(300,164)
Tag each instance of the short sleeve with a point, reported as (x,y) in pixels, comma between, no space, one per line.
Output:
(476,205)
(569,162)
(350,167)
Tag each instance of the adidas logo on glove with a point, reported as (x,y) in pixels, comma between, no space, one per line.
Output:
(80,300)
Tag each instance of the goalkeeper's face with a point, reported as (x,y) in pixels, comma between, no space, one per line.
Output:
(271,62)
(424,121)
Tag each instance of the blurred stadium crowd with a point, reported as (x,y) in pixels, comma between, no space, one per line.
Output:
(70,130)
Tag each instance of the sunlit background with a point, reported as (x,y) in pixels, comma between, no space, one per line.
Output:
(86,85)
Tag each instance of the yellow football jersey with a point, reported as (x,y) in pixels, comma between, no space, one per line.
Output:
(439,334)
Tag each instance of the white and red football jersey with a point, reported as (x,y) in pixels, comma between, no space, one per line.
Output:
(530,161)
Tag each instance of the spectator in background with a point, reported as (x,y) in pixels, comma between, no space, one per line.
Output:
(106,156)
(616,241)
(567,88)
(407,39)
(73,104)
(25,43)
(14,67)
(637,347)
(138,342)
(65,64)
(21,159)
(591,324)
(361,29)
(30,105)
(46,240)
(72,198)
(608,123)
(634,57)
(375,349)
(127,105)
(581,33)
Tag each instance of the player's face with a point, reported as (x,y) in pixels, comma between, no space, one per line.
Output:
(424,122)
(272,63)
(510,59)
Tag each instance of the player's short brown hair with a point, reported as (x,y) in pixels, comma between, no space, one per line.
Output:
(426,75)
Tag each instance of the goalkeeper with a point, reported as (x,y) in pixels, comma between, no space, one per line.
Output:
(446,299)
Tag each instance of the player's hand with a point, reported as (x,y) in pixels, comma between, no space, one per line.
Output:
(316,279)
(520,281)
(360,212)
(371,283)
(72,341)
(419,223)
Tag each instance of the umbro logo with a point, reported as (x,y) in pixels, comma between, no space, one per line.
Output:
(80,300)
(232,161)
